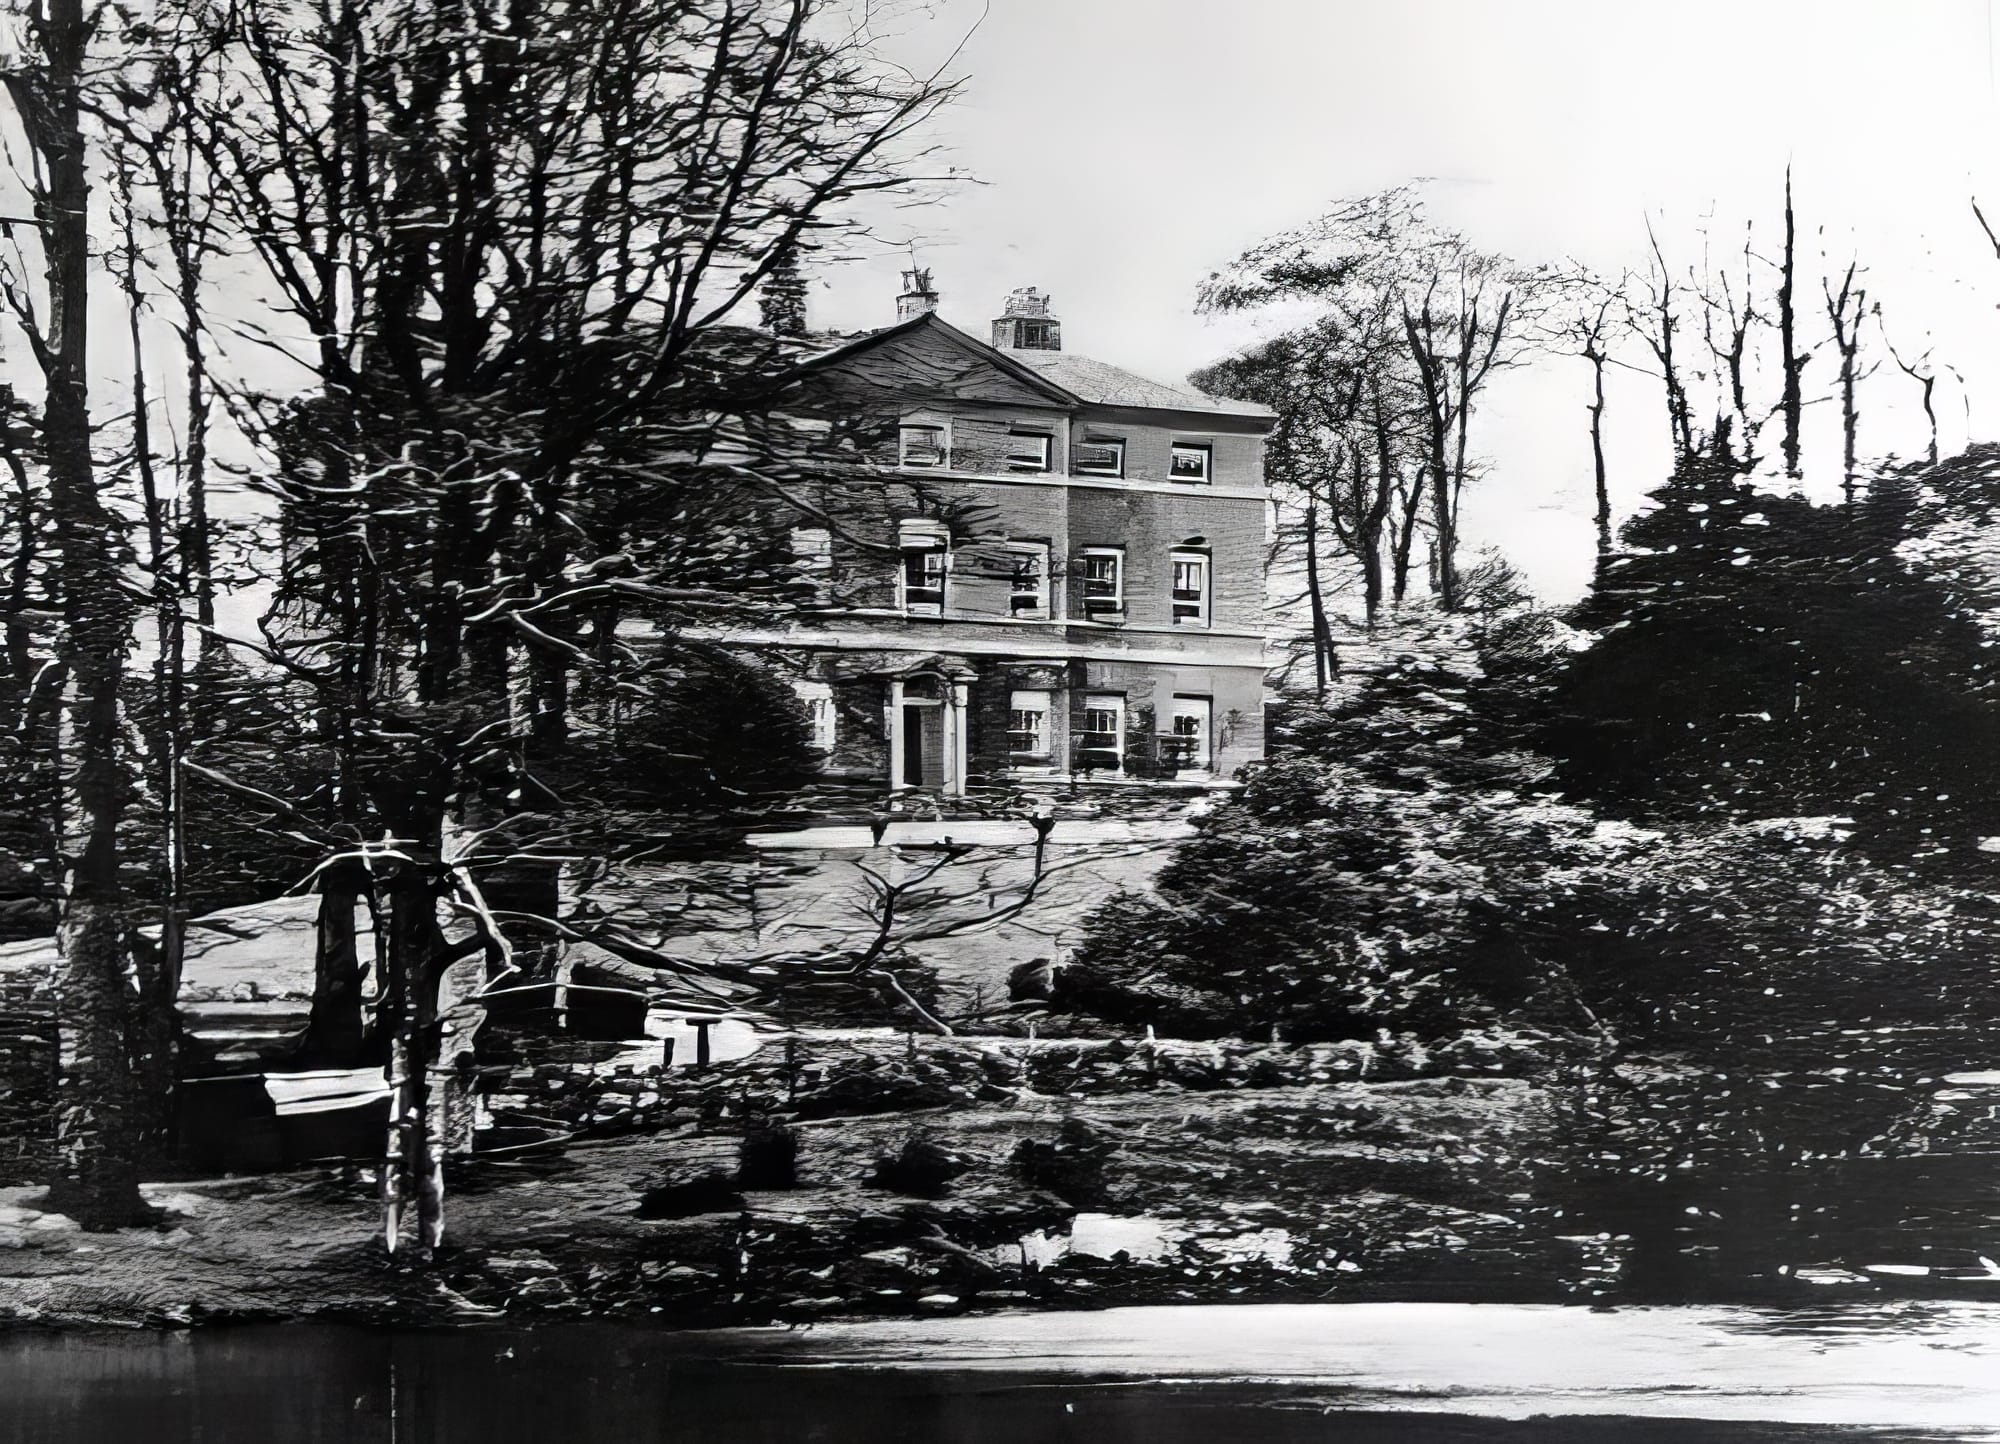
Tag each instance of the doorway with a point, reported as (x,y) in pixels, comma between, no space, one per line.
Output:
(923,744)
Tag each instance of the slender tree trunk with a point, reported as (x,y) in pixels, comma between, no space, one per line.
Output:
(1371,579)
(156,1027)
(334,1034)
(1598,473)
(1406,535)
(1791,403)
(1849,424)
(1323,655)
(412,1171)
(1444,529)
(97,1149)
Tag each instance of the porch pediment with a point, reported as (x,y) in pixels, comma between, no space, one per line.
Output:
(891,665)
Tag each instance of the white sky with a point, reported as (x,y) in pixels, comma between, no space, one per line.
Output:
(1125,148)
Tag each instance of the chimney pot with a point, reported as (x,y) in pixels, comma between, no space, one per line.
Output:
(919,297)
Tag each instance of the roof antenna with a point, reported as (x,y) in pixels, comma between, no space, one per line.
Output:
(919,296)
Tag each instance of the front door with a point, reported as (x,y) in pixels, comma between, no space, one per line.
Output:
(923,745)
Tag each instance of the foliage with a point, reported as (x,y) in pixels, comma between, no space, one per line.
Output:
(1367,883)
(1760,656)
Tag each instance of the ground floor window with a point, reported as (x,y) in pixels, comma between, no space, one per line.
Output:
(1186,744)
(818,700)
(1028,726)
(1101,747)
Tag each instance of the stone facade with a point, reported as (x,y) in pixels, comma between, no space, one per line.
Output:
(1051,568)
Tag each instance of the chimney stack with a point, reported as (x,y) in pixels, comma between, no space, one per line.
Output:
(1025,323)
(919,297)
(781,304)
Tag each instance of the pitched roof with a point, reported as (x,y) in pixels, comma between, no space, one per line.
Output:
(1063,373)
(1103,384)
(1006,360)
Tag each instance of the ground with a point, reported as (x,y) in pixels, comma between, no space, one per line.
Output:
(1343,1189)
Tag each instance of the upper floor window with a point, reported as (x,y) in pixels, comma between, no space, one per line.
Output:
(924,444)
(812,558)
(1100,456)
(1191,461)
(1190,587)
(923,581)
(1037,335)
(1028,726)
(1029,450)
(1103,580)
(1028,578)
(926,552)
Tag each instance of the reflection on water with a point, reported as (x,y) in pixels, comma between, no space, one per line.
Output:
(1352,1373)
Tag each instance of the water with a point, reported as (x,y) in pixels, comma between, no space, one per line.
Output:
(1356,1373)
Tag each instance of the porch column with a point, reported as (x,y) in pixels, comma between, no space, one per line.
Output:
(954,740)
(892,732)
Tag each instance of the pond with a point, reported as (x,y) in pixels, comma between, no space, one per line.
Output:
(1358,1373)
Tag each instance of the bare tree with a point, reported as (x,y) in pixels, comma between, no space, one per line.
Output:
(1920,370)
(1846,311)
(1791,361)
(519,244)
(1460,312)
(1730,319)
(1653,319)
(99,1123)
(1581,320)
(1342,389)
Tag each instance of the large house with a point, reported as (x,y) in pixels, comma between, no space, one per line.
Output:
(1059,570)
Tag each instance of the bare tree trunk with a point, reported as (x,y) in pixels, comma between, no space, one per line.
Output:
(1324,661)
(156,1028)
(1411,502)
(97,1150)
(412,1171)
(1444,538)
(1598,473)
(334,1034)
(1792,403)
(1846,312)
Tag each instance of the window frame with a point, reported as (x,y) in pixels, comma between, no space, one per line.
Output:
(812,559)
(822,715)
(943,432)
(1097,702)
(1116,556)
(1045,732)
(1116,471)
(1042,602)
(1207,718)
(910,551)
(1204,606)
(1048,449)
(1204,449)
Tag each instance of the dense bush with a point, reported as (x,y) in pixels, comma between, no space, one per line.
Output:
(1749,808)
